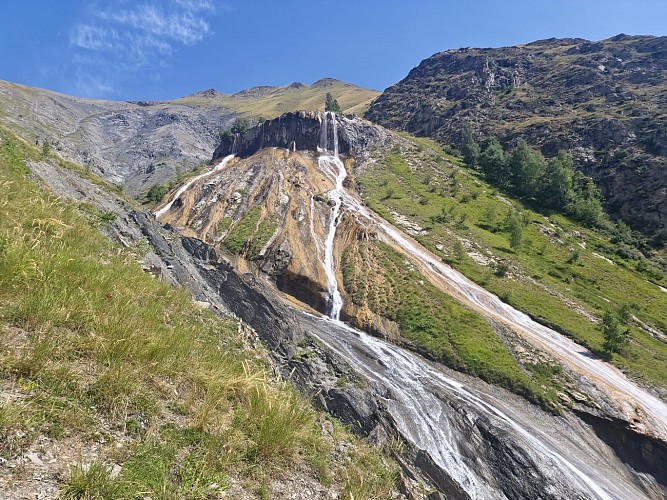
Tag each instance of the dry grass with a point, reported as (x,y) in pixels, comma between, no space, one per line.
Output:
(352,99)
(90,342)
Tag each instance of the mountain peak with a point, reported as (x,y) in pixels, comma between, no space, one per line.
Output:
(295,85)
(326,82)
(207,94)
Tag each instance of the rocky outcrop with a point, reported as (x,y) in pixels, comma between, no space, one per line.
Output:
(302,131)
(598,100)
(133,145)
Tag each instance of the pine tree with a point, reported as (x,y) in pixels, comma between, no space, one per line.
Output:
(556,183)
(492,162)
(614,337)
(526,166)
(586,204)
(331,104)
(469,146)
(516,231)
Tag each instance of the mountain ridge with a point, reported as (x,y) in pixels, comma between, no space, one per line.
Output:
(599,100)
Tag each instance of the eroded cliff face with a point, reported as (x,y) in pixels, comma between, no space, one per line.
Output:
(303,131)
(272,211)
(272,205)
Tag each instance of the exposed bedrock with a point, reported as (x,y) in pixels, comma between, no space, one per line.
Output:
(302,131)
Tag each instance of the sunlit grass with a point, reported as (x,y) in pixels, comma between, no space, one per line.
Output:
(90,341)
(452,203)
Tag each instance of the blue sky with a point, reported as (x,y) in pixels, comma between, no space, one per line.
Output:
(163,49)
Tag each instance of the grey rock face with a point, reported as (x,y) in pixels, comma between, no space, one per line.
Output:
(598,100)
(302,130)
(133,145)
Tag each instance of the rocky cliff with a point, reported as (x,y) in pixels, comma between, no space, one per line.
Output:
(136,145)
(132,145)
(303,131)
(601,101)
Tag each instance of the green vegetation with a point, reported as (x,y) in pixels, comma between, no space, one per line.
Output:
(614,337)
(156,193)
(565,275)
(524,172)
(249,235)
(435,323)
(515,228)
(239,126)
(331,104)
(93,481)
(469,147)
(99,353)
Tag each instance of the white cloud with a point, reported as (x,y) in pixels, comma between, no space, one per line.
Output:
(130,36)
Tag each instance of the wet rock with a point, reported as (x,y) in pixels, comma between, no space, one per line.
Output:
(304,128)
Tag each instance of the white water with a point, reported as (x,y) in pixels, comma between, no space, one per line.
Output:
(429,422)
(602,374)
(185,186)
(629,398)
(428,429)
(335,170)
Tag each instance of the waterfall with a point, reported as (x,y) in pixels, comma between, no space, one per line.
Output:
(185,186)
(324,133)
(421,406)
(335,134)
(335,170)
(623,393)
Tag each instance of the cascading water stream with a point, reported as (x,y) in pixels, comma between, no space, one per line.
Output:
(185,186)
(428,421)
(423,421)
(334,169)
(571,354)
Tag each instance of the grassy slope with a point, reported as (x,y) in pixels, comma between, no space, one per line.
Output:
(91,342)
(543,279)
(378,277)
(351,98)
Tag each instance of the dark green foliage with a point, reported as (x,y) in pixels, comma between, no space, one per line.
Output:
(501,269)
(556,184)
(108,216)
(331,104)
(574,256)
(515,228)
(240,126)
(492,162)
(526,167)
(459,250)
(614,337)
(586,205)
(625,313)
(156,193)
(469,146)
